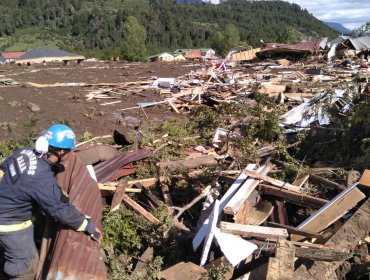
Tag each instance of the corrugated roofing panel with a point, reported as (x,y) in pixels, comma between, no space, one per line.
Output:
(44,52)
(360,43)
(312,46)
(75,255)
(106,170)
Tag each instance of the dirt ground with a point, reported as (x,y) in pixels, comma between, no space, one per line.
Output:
(70,105)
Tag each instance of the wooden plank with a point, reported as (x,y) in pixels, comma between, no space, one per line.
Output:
(326,182)
(272,181)
(234,204)
(253,231)
(300,199)
(332,211)
(138,209)
(365,178)
(166,194)
(149,195)
(301,180)
(226,197)
(282,266)
(118,195)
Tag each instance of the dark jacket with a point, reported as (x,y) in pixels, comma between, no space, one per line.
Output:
(27,179)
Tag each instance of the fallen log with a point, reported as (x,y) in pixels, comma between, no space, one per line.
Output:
(321,180)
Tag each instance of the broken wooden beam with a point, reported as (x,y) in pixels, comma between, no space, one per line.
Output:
(111,186)
(253,231)
(138,209)
(300,199)
(273,181)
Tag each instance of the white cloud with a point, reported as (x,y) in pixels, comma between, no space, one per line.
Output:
(351,14)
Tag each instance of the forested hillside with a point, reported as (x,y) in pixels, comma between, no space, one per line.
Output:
(122,27)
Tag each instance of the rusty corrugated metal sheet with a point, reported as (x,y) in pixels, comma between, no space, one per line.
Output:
(11,55)
(311,47)
(74,255)
(105,170)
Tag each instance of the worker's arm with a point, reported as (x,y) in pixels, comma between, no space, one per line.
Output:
(48,195)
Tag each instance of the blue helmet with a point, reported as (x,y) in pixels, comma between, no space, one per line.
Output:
(60,136)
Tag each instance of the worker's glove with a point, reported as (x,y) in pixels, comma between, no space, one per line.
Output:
(89,228)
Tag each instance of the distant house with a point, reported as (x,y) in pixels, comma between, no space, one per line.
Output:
(8,57)
(208,53)
(43,55)
(179,57)
(161,57)
(194,54)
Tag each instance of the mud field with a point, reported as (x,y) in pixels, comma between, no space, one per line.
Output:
(69,104)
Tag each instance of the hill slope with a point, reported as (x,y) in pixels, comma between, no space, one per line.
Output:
(97,27)
(338,27)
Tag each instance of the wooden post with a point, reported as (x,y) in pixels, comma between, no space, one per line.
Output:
(138,209)
(282,266)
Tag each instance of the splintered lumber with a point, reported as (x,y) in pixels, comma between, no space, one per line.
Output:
(293,197)
(138,209)
(294,230)
(272,181)
(118,195)
(281,267)
(234,204)
(188,163)
(203,194)
(226,197)
(332,211)
(326,182)
(345,239)
(253,231)
(364,180)
(183,270)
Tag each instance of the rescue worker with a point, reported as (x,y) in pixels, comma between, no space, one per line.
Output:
(29,180)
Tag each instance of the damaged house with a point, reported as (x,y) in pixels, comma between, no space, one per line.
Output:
(354,47)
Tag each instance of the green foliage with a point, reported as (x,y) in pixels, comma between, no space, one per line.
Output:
(122,229)
(97,27)
(218,272)
(133,45)
(204,120)
(86,136)
(291,36)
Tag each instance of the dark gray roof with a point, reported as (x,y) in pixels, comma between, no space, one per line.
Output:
(44,52)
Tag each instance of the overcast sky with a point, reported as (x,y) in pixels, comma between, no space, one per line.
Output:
(350,13)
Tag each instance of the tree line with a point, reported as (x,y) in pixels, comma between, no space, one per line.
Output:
(135,28)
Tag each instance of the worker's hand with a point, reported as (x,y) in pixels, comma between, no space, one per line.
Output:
(97,236)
